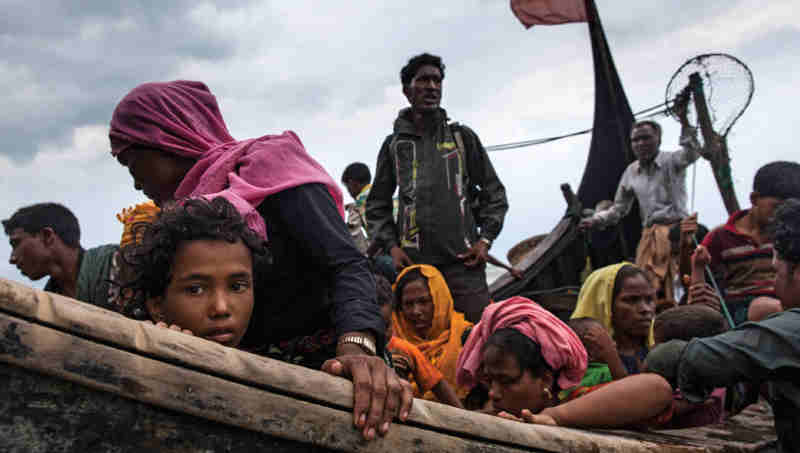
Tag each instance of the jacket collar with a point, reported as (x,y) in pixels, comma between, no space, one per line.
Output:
(405,125)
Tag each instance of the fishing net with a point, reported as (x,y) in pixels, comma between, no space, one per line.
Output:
(727,84)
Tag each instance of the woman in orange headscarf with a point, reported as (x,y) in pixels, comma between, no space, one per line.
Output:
(424,316)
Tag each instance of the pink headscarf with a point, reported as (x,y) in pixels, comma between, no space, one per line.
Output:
(561,348)
(183,118)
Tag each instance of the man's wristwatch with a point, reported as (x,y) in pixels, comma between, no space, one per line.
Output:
(366,344)
(486,241)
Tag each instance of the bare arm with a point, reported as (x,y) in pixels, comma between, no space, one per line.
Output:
(690,146)
(621,403)
(601,347)
(616,367)
(446,395)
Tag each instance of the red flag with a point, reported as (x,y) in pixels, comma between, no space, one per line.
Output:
(548,12)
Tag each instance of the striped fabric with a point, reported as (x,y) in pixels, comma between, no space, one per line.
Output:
(745,266)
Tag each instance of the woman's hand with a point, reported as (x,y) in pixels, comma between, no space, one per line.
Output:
(529,417)
(174,327)
(599,344)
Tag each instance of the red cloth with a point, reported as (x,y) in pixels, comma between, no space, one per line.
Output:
(561,347)
(549,12)
(183,118)
(746,264)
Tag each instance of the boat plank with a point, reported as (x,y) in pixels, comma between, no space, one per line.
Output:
(301,385)
(120,372)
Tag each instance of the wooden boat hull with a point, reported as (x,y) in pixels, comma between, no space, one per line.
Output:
(79,378)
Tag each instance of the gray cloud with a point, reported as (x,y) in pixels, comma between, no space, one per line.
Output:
(329,71)
(69,65)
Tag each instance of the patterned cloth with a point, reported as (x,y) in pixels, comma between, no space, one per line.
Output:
(653,255)
(442,344)
(133,218)
(357,221)
(411,365)
(745,266)
(596,373)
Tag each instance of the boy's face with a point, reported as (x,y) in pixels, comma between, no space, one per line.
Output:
(210,292)
(764,208)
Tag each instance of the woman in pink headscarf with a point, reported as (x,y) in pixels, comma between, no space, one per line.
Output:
(523,356)
(173,140)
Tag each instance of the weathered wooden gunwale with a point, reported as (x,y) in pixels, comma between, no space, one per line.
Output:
(193,379)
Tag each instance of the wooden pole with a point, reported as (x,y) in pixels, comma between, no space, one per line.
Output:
(716,146)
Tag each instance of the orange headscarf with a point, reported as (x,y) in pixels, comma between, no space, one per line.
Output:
(442,344)
(134,217)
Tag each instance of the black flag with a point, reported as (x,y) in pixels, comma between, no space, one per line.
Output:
(610,151)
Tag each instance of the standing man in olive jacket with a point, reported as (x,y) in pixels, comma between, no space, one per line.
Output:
(451,203)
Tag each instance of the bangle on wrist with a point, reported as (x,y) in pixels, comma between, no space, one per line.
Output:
(486,241)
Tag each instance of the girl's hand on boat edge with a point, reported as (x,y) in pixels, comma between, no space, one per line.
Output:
(174,327)
(529,417)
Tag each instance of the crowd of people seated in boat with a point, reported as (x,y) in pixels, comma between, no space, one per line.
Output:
(245,244)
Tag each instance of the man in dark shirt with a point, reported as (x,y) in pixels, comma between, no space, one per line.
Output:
(45,241)
(451,202)
(767,351)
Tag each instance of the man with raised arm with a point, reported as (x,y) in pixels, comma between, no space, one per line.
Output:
(440,168)
(657,180)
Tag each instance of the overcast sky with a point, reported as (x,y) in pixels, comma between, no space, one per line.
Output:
(329,71)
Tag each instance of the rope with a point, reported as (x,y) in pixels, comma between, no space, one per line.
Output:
(649,112)
(694,183)
(722,303)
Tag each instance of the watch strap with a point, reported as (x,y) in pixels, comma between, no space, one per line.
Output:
(360,340)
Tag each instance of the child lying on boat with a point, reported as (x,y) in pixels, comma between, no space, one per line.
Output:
(524,355)
(685,323)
